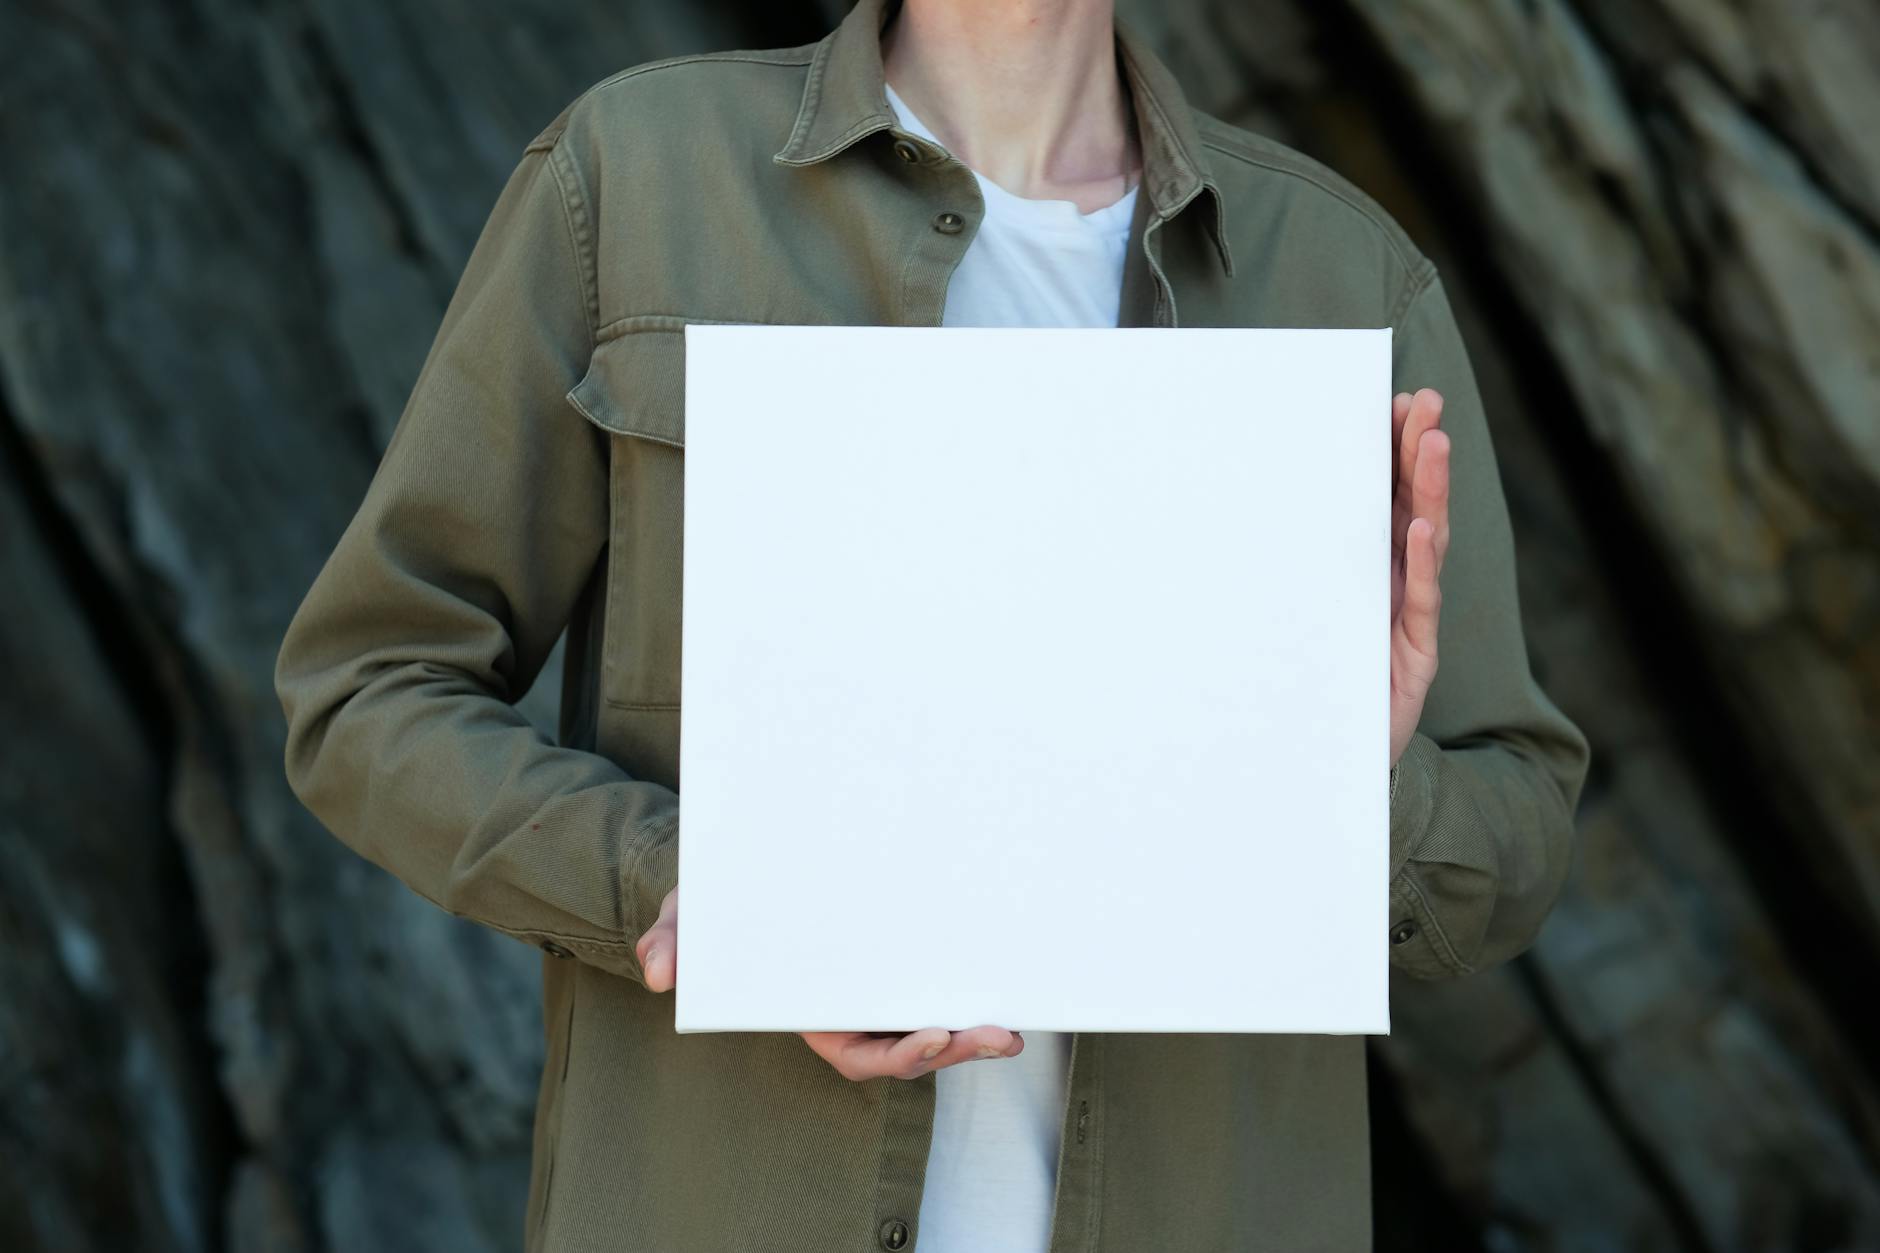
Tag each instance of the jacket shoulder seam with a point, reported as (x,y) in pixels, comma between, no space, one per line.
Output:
(779,57)
(783,57)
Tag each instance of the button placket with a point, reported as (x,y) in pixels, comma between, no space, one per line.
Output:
(937,250)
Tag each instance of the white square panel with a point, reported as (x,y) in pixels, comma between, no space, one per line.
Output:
(1035,677)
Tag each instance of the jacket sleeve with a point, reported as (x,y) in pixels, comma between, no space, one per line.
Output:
(442,599)
(1482,800)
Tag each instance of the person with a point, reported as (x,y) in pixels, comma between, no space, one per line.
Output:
(954,162)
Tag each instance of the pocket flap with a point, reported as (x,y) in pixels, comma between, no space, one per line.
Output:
(635,385)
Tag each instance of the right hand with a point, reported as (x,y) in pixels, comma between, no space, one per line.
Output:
(855,1055)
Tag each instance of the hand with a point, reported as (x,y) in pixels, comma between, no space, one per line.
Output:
(855,1055)
(1419,536)
(874,1054)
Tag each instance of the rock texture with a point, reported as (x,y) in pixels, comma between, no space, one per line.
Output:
(227,231)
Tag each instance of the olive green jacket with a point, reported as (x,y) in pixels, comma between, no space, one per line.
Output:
(534,482)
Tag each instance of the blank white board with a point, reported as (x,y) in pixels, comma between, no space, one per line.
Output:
(1035,677)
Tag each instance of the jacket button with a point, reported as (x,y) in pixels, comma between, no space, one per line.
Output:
(555,950)
(905,150)
(894,1234)
(1403,931)
(949,223)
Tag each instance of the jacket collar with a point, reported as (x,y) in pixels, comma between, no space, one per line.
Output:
(844,99)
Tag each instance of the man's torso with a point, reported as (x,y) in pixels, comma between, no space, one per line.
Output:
(767,187)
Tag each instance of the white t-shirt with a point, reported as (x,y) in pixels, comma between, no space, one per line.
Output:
(992,1170)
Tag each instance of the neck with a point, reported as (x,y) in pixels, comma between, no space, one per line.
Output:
(1026,92)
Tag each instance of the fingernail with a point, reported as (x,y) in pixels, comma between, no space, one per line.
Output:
(652,954)
(987,1050)
(932,1050)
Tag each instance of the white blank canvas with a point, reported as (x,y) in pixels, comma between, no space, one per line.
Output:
(1035,677)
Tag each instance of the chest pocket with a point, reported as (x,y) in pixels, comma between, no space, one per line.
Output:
(634,389)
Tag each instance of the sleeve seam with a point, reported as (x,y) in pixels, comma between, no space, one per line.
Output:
(1422,279)
(578,238)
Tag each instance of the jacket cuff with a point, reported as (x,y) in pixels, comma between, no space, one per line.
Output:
(1417,945)
(1412,797)
(650,872)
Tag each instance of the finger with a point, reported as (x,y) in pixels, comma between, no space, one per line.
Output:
(1429,493)
(1399,410)
(978,1044)
(658,947)
(660,961)
(860,1055)
(1399,499)
(864,1056)
(1424,411)
(1422,607)
(912,1054)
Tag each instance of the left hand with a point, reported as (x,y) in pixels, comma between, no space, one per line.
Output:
(1419,536)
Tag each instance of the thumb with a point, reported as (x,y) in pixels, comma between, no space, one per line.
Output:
(658,948)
